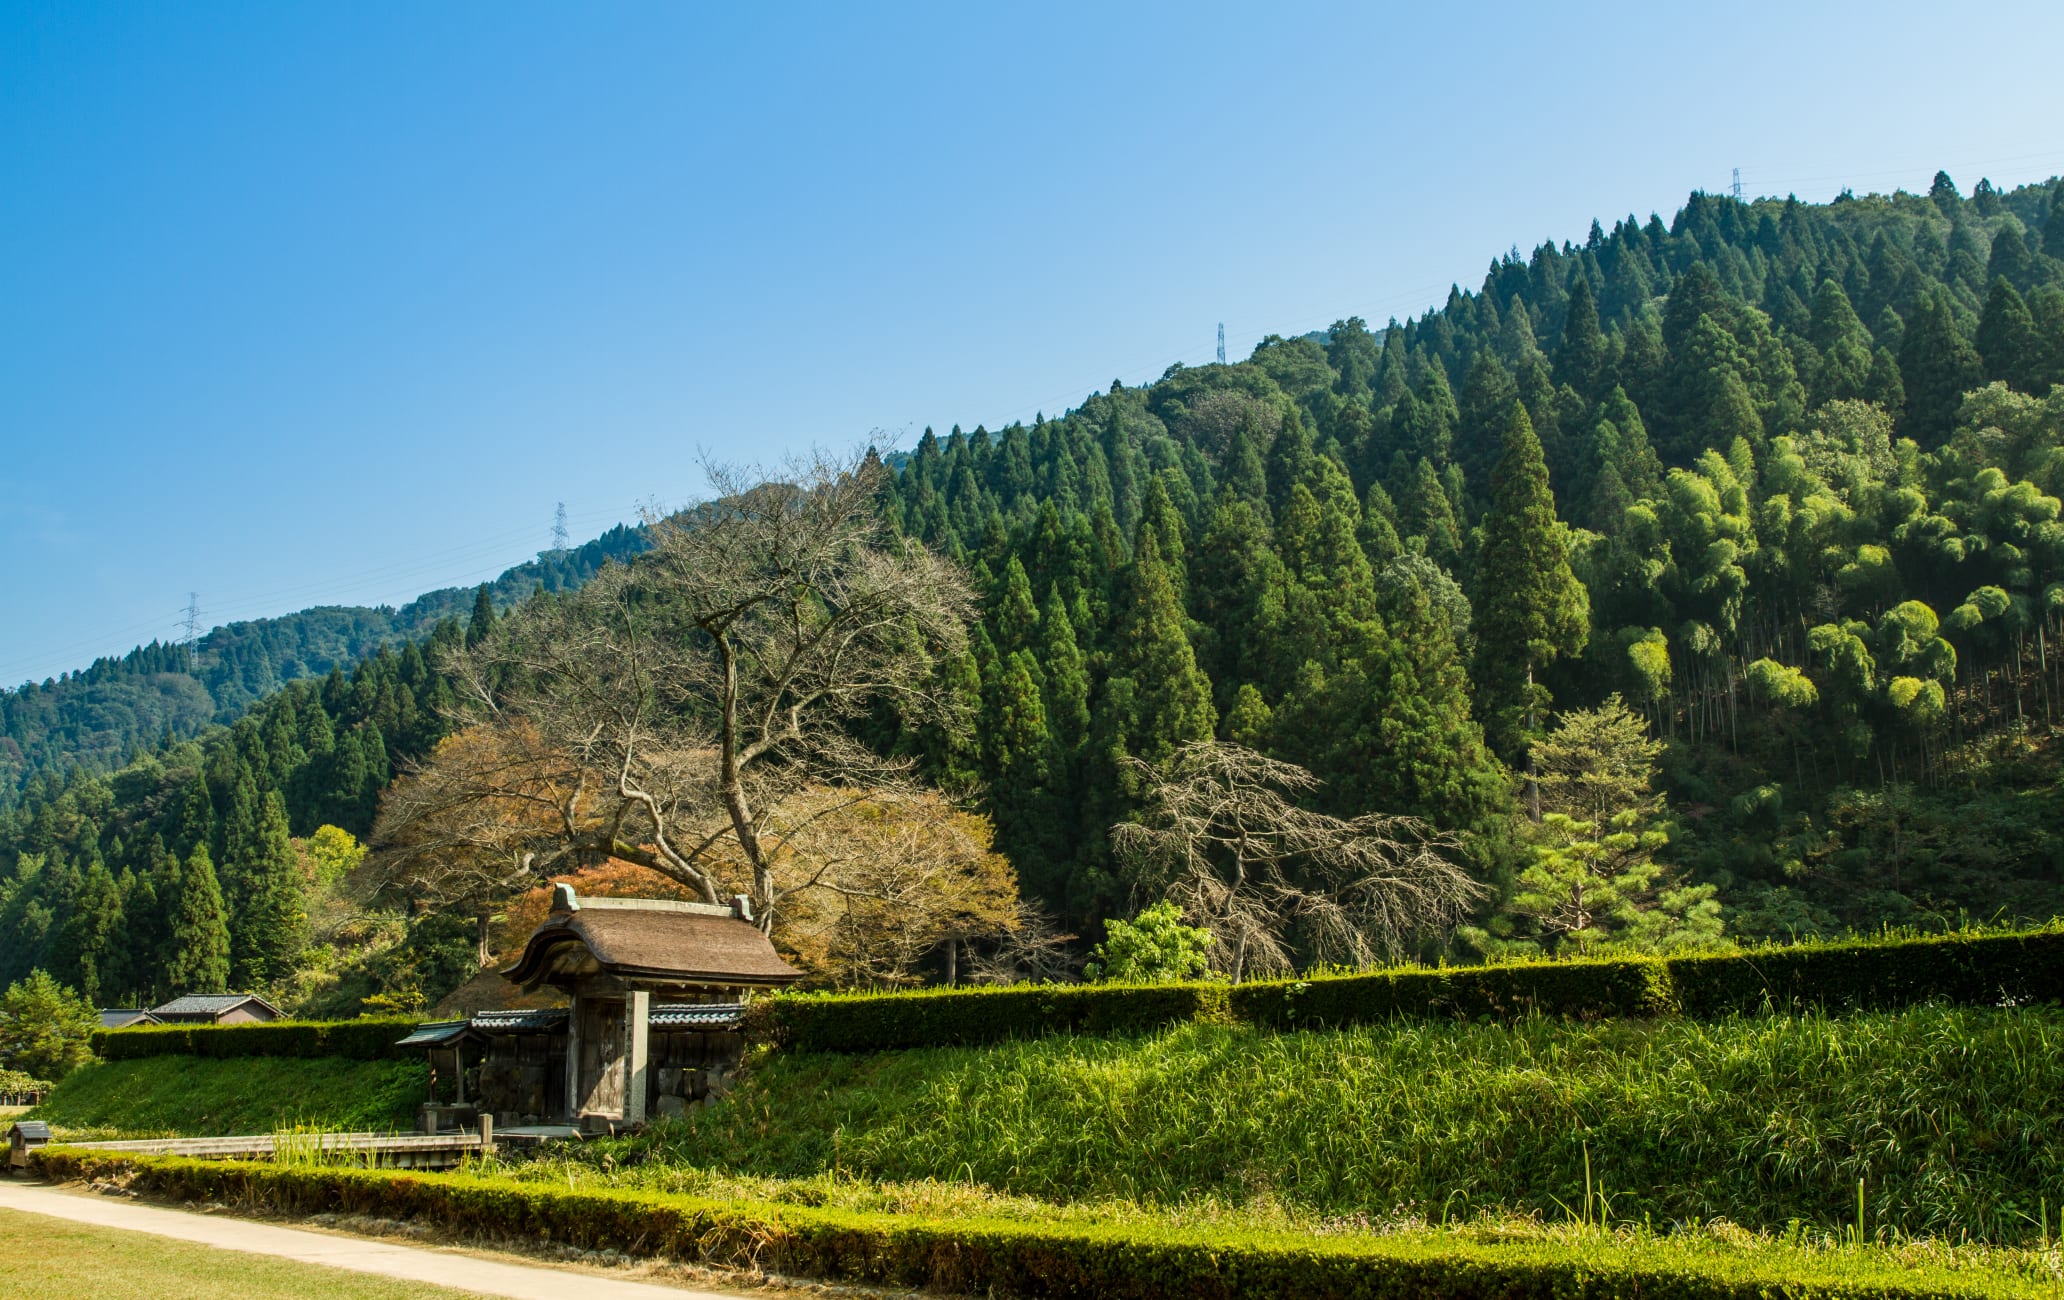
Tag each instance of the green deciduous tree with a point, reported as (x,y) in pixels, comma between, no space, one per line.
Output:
(44,1028)
(1154,947)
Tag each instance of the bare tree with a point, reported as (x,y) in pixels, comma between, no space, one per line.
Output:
(672,708)
(1222,836)
(1034,950)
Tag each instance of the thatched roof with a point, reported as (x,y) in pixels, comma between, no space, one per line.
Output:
(653,942)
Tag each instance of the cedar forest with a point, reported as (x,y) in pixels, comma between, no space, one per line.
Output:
(1770,493)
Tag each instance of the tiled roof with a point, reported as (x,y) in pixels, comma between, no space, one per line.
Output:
(698,1015)
(209,1004)
(434,1035)
(541,1020)
(123,1017)
(670,1015)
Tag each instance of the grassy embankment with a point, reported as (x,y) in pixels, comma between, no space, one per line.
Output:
(1948,1117)
(192,1096)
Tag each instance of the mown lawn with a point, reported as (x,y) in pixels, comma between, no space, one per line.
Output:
(55,1259)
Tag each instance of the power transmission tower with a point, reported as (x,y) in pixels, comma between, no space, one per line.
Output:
(559,536)
(1737,185)
(1221,343)
(190,625)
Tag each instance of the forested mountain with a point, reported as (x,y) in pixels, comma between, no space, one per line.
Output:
(102,715)
(1783,477)
(1811,544)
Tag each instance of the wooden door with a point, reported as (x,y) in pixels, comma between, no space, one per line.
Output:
(601,1058)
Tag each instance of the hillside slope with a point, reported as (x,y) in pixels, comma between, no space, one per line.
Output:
(101,715)
(1793,473)
(1760,1120)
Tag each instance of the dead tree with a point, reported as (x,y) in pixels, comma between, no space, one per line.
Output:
(1222,835)
(680,704)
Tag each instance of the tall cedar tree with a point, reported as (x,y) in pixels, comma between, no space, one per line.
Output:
(2007,343)
(1534,610)
(272,925)
(1938,366)
(1171,697)
(197,957)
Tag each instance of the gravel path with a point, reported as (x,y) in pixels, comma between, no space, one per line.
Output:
(407,1263)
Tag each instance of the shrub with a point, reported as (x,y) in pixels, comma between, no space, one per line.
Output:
(371,1038)
(45,1027)
(1972,970)
(1063,1260)
(1152,948)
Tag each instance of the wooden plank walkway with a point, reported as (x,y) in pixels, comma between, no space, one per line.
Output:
(389,1150)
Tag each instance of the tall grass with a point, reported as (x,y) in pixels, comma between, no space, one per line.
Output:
(1949,1119)
(190,1096)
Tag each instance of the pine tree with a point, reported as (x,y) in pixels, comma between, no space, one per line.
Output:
(1067,677)
(268,931)
(1407,742)
(197,958)
(1289,462)
(2006,341)
(1016,619)
(1843,344)
(2010,260)
(194,821)
(1938,366)
(1378,532)
(1488,392)
(1581,359)
(1535,610)
(144,932)
(1426,513)
(482,620)
(1171,696)
(1237,594)
(90,941)
(1243,478)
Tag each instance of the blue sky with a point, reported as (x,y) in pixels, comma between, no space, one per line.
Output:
(312,304)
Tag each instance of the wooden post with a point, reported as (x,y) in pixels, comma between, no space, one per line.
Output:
(487,1133)
(637,1038)
(458,1058)
(573,1097)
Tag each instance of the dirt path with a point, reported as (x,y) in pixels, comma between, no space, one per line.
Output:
(359,1255)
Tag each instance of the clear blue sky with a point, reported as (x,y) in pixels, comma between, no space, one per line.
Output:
(332,303)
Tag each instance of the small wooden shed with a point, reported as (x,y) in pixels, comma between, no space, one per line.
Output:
(614,958)
(23,1137)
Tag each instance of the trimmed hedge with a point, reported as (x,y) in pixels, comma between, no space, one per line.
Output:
(988,1256)
(1974,970)
(367,1039)
(843,1022)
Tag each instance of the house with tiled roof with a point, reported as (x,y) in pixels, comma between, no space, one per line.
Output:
(214,1009)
